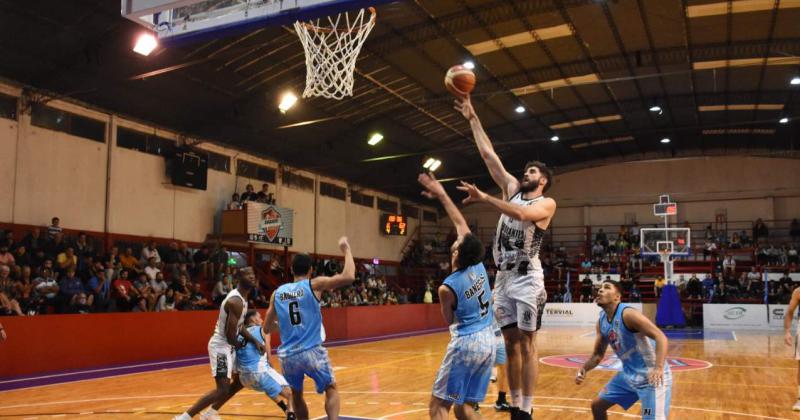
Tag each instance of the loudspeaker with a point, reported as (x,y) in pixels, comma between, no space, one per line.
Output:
(189,168)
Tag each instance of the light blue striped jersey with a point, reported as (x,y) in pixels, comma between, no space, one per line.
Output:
(248,359)
(636,351)
(473,311)
(299,317)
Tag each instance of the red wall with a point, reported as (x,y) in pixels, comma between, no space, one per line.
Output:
(61,342)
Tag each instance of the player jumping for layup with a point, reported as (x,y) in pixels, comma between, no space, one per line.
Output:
(296,306)
(642,349)
(221,348)
(466,301)
(519,287)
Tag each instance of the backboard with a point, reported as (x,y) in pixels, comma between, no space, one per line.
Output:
(195,20)
(678,241)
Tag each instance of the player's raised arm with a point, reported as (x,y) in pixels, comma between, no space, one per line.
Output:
(434,189)
(636,321)
(541,210)
(508,183)
(345,278)
(269,317)
(788,315)
(600,346)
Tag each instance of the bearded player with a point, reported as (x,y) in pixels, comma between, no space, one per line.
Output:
(519,288)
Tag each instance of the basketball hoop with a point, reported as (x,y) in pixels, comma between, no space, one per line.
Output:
(331,52)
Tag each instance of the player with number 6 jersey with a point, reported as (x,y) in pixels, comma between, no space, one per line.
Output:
(295,307)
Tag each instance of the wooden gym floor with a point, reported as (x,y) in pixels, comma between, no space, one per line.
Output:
(752,377)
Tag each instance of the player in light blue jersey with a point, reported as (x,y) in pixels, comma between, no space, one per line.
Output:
(254,369)
(642,349)
(296,308)
(466,301)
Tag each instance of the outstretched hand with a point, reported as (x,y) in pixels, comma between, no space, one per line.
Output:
(343,244)
(464,106)
(474,194)
(433,188)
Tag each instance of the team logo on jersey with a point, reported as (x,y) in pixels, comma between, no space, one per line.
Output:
(526,317)
(611,362)
(270,223)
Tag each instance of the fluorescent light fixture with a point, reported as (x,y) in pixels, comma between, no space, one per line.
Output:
(435,165)
(655,108)
(665,140)
(520,109)
(374,139)
(554,138)
(784,120)
(428,163)
(145,44)
(287,102)
(469,65)
(795,81)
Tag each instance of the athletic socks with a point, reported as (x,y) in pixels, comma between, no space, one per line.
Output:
(282,405)
(501,397)
(527,404)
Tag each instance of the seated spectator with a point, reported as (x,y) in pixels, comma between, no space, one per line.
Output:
(786,286)
(760,231)
(200,258)
(710,249)
(100,290)
(791,255)
(729,265)
(636,295)
(129,261)
(249,194)
(755,284)
(391,299)
(694,289)
(83,246)
(197,300)
(736,241)
(658,286)
(601,238)
(180,292)
(171,258)
(221,289)
(6,257)
(159,289)
(34,241)
(70,288)
(150,251)
(598,250)
(236,203)
(67,260)
(45,291)
(125,295)
(145,290)
(587,286)
(708,288)
(55,246)
(264,196)
(9,305)
(54,228)
(151,270)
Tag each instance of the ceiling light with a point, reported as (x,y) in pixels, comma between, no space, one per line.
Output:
(469,65)
(795,81)
(287,102)
(435,165)
(784,120)
(520,109)
(428,163)
(655,108)
(145,44)
(665,140)
(374,139)
(554,138)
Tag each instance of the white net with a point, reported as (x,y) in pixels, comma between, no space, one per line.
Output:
(332,50)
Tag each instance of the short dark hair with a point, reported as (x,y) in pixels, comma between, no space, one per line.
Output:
(615,284)
(545,171)
(301,263)
(470,251)
(249,314)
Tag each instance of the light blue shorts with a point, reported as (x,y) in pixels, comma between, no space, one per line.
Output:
(500,348)
(467,368)
(313,363)
(268,381)
(655,401)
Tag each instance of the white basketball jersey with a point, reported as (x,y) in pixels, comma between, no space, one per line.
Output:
(517,242)
(218,338)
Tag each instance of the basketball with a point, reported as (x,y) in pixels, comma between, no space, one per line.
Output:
(459,80)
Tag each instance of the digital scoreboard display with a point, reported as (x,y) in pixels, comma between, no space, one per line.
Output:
(393,224)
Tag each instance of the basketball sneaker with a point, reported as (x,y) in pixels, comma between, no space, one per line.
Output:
(796,406)
(502,406)
(210,416)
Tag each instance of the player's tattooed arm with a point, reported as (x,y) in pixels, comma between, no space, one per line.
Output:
(600,346)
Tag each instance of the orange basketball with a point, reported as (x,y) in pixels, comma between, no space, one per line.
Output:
(459,80)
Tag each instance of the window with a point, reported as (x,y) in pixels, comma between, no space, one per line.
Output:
(332,190)
(143,142)
(255,171)
(8,107)
(362,199)
(410,211)
(297,181)
(429,216)
(387,205)
(219,162)
(67,122)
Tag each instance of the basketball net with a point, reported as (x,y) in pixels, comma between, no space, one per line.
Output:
(331,49)
(664,256)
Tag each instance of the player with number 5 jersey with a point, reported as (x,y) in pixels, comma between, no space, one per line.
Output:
(295,307)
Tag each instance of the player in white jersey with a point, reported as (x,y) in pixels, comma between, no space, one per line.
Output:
(519,286)
(787,328)
(221,348)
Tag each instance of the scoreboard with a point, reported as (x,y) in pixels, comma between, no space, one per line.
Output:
(393,224)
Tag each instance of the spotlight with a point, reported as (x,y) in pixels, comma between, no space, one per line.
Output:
(375,139)
(469,65)
(784,120)
(656,108)
(795,81)
(145,44)
(287,102)
(432,164)
(665,140)
(520,109)
(554,138)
